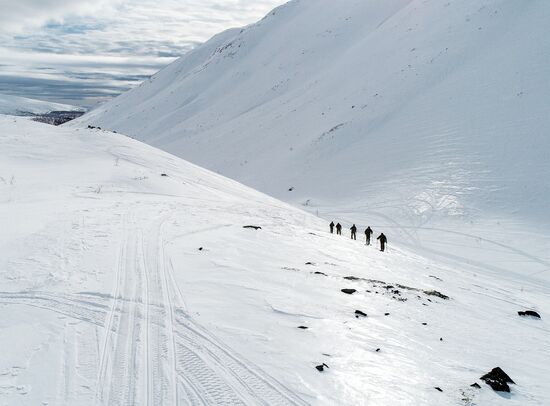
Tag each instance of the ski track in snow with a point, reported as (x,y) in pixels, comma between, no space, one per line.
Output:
(153,352)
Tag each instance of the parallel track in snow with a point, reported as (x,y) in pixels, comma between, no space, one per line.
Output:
(153,352)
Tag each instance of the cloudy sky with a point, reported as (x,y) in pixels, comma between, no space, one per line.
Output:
(86,51)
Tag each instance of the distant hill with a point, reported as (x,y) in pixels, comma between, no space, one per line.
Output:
(15,105)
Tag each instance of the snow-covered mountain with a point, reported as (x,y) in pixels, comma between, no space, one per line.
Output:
(428,119)
(15,105)
(128,279)
(128,276)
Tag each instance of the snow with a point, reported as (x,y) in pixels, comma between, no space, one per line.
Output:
(16,105)
(425,119)
(106,297)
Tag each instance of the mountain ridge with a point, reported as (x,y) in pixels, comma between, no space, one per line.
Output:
(415,116)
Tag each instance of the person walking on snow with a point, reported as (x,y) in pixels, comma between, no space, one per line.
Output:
(353,232)
(368,233)
(331,225)
(383,241)
(339,229)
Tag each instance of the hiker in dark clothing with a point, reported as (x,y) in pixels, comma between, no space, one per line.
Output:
(339,229)
(368,233)
(383,241)
(353,232)
(331,225)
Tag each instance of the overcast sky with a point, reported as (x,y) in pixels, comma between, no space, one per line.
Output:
(85,51)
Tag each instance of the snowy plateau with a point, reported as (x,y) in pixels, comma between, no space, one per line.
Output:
(39,110)
(15,105)
(132,276)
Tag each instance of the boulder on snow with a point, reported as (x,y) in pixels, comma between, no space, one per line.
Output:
(303,327)
(359,313)
(498,380)
(436,293)
(530,313)
(349,291)
(310,263)
(475,385)
(253,227)
(438,389)
(319,273)
(321,367)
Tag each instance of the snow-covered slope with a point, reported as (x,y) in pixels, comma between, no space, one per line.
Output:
(16,105)
(429,119)
(123,286)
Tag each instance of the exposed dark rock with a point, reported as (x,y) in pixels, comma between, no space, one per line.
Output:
(440,338)
(321,367)
(404,287)
(436,293)
(303,327)
(386,314)
(319,273)
(310,263)
(290,189)
(163,174)
(498,380)
(253,227)
(359,313)
(529,313)
(56,117)
(351,278)
(349,291)
(378,350)
(200,248)
(438,388)
(424,324)
(475,385)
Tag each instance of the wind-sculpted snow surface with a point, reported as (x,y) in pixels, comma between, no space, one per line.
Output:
(428,119)
(128,278)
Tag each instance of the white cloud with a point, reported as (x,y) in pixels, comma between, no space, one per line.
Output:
(21,15)
(122,40)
